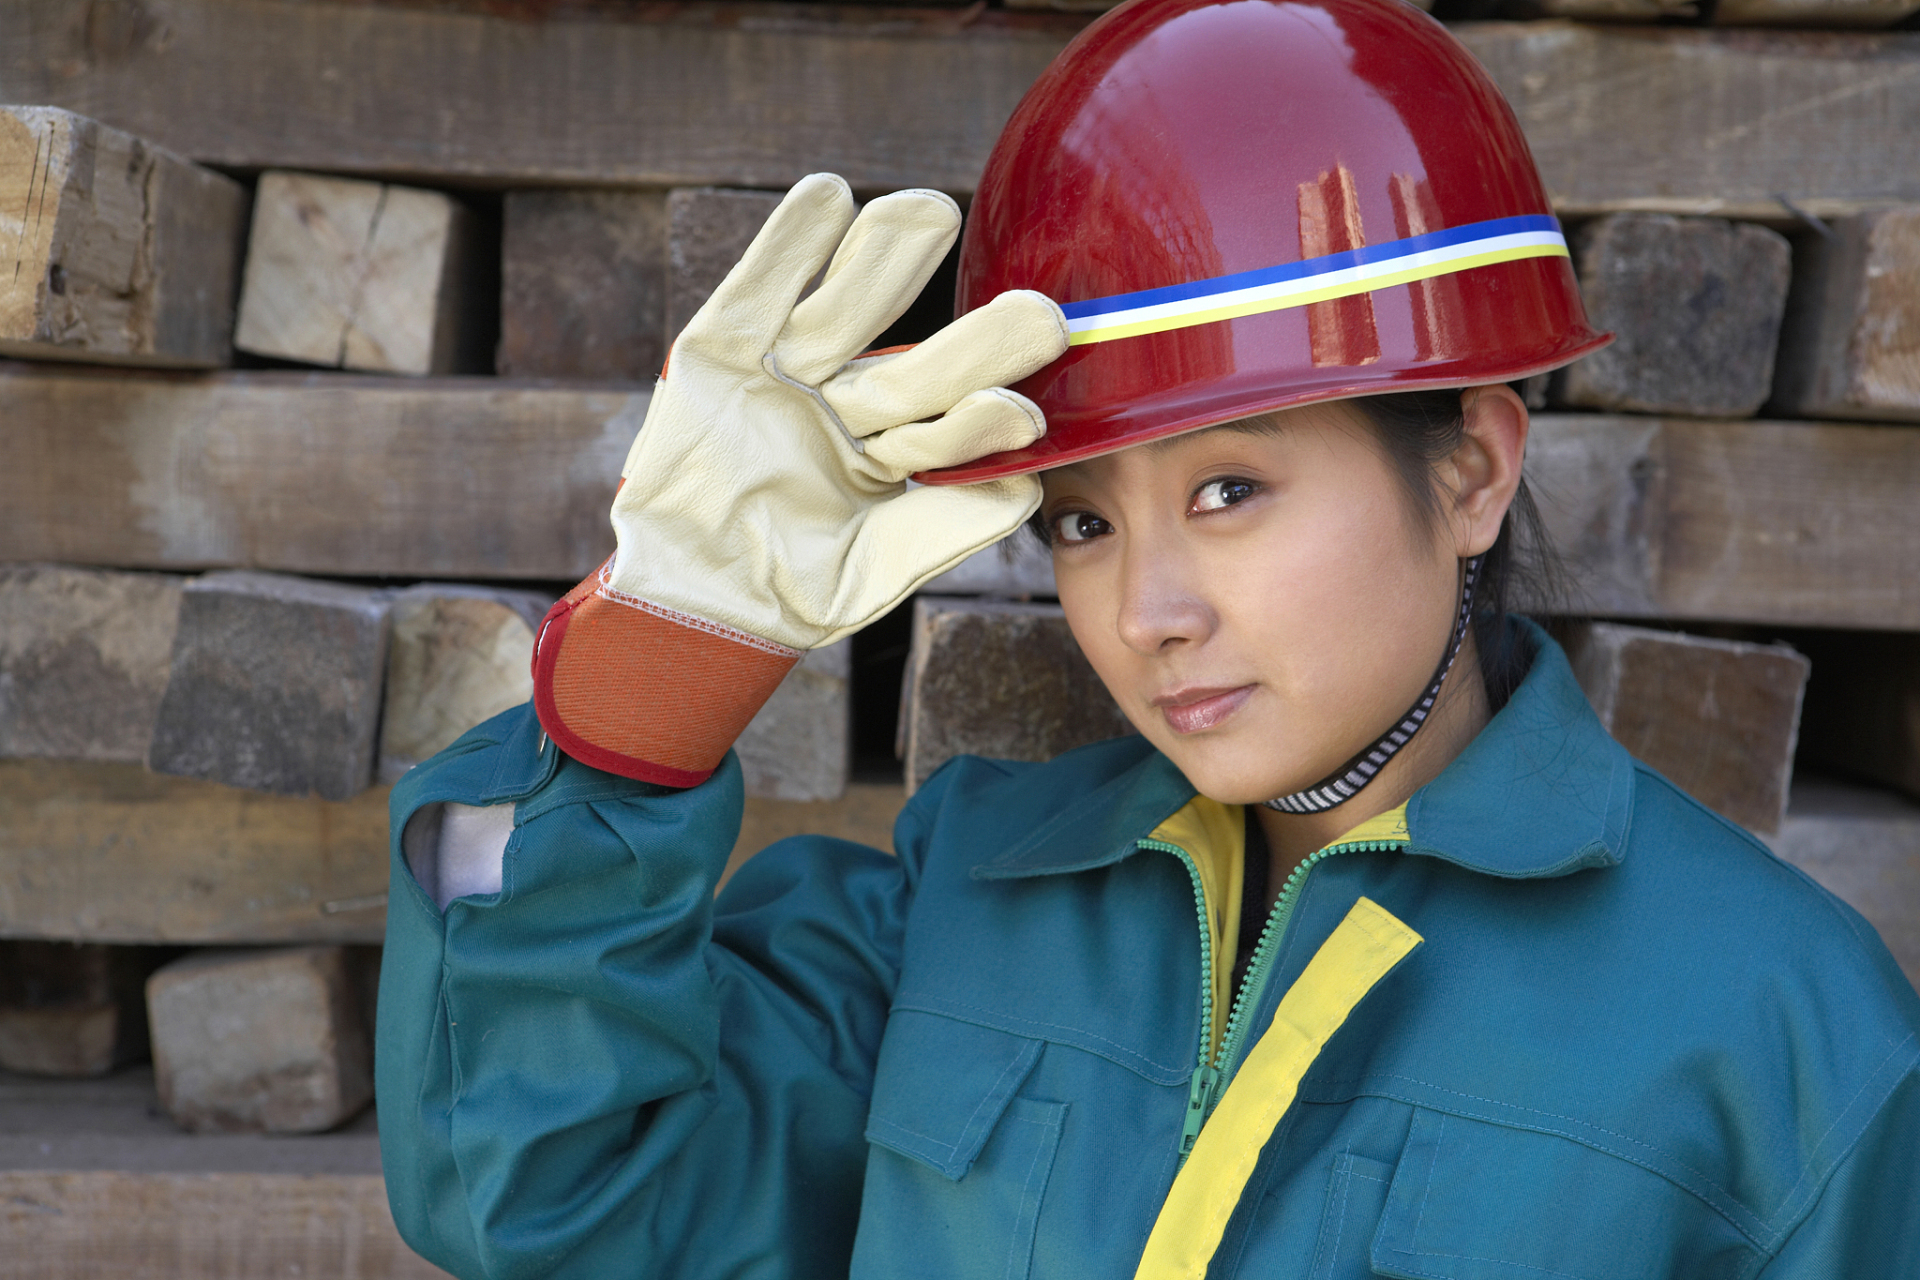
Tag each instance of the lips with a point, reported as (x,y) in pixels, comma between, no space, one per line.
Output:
(1194,709)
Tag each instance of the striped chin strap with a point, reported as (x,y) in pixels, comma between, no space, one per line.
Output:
(1346,782)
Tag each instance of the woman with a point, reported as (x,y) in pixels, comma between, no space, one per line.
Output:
(1370,954)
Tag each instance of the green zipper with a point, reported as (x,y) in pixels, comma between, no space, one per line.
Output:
(1213,1074)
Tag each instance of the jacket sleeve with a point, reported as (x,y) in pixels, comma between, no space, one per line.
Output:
(1866,1223)
(593,1072)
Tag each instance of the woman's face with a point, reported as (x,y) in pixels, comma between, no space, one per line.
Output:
(1261,603)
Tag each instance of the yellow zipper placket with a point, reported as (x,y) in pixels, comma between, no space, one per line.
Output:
(1385,833)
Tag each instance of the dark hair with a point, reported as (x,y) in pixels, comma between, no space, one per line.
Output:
(1418,430)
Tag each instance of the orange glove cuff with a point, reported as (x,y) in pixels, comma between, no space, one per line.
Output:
(644,691)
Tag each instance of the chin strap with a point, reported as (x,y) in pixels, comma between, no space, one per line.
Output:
(1344,783)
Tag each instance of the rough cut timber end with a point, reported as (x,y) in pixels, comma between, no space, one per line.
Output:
(71,1009)
(708,228)
(799,746)
(357,275)
(274,1041)
(115,853)
(1719,718)
(84,656)
(1006,681)
(583,285)
(1851,345)
(459,655)
(122,253)
(275,685)
(1695,306)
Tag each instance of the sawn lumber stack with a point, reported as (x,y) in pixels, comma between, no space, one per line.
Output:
(242,592)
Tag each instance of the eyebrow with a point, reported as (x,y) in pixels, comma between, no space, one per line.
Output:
(1261,425)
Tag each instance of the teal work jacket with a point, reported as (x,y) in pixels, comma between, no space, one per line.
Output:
(1632,1045)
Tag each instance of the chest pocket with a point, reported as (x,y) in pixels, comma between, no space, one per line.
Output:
(960,1163)
(1475,1201)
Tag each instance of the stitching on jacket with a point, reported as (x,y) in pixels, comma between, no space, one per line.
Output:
(1878,1067)
(1504,1262)
(878,1122)
(1026,1189)
(1427,1190)
(1035,1022)
(992,1092)
(1759,1232)
(1338,1218)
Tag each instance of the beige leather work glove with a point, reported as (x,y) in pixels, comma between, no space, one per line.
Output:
(765,508)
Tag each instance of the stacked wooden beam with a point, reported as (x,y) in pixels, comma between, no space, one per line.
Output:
(237,602)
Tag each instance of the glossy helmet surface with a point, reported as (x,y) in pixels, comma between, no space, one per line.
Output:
(1245,205)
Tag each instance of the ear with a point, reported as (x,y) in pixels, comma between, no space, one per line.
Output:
(1486,466)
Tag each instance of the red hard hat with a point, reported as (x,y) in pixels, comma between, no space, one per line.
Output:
(1244,205)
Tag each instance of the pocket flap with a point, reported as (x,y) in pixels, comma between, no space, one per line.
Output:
(1471,1200)
(941,1085)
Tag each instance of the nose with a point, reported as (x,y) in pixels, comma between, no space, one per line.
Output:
(1161,604)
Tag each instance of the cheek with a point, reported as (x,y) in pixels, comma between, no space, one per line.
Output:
(1352,615)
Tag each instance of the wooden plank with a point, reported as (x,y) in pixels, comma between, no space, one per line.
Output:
(739,95)
(583,289)
(275,685)
(97,1182)
(358,275)
(1688,120)
(1851,344)
(1863,845)
(459,655)
(799,746)
(1006,681)
(84,658)
(112,853)
(1779,522)
(200,1226)
(327,474)
(708,229)
(1694,305)
(730,95)
(1718,717)
(122,252)
(270,1040)
(73,1009)
(1774,522)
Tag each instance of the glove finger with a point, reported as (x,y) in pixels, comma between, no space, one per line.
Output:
(1017,333)
(985,422)
(740,322)
(925,531)
(879,269)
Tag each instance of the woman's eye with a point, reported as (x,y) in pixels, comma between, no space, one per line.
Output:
(1216,494)
(1079,526)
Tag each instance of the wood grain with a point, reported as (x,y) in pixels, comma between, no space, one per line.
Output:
(121,252)
(759,95)
(325,474)
(1777,522)
(112,853)
(205,1226)
(1717,717)
(357,275)
(1774,522)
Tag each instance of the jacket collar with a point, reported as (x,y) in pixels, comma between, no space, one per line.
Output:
(1542,791)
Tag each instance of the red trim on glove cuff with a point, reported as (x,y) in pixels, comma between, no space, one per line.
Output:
(637,689)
